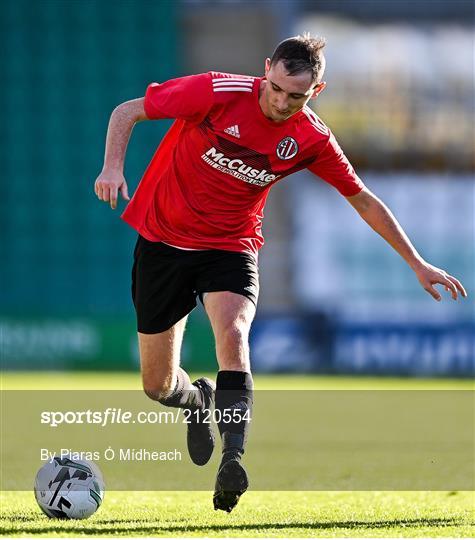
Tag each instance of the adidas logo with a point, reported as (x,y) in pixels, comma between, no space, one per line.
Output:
(233,130)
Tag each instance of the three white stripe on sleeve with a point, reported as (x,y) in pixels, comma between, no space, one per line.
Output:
(232,84)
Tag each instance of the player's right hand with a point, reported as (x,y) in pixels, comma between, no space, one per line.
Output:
(108,185)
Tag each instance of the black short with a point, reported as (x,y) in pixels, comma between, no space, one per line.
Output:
(166,281)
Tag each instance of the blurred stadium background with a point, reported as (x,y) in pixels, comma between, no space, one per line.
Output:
(334,297)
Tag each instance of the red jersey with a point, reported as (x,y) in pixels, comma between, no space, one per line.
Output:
(208,181)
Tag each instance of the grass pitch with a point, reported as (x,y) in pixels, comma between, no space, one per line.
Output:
(259,514)
(265,514)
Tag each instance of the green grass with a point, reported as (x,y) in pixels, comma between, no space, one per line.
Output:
(277,514)
(259,514)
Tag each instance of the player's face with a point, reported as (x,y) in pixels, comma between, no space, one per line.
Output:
(284,95)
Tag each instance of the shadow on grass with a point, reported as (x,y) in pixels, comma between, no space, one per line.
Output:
(143,526)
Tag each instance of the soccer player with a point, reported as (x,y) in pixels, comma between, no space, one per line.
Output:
(198,211)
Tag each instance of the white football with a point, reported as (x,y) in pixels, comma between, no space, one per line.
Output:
(69,488)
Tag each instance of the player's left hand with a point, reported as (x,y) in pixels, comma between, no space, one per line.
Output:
(429,276)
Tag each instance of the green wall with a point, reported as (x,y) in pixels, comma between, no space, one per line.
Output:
(65,256)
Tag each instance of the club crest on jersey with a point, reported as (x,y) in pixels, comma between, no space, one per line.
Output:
(287,148)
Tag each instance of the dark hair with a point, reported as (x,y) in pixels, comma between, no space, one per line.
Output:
(300,54)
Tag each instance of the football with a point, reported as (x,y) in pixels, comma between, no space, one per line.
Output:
(69,488)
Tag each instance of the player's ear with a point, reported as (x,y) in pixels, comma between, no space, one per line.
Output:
(267,66)
(319,88)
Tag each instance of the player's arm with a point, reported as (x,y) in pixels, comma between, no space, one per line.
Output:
(186,98)
(380,218)
(111,180)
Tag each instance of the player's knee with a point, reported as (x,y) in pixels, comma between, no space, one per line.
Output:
(234,348)
(235,334)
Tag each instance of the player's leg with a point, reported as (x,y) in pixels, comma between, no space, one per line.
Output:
(160,364)
(166,382)
(163,296)
(231,316)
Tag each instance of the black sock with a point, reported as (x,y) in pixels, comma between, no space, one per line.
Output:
(185,395)
(234,391)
